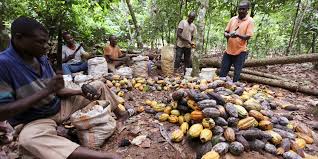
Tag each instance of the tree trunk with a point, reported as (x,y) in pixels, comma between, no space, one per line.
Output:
(299,25)
(207,38)
(313,48)
(289,85)
(180,11)
(313,44)
(4,38)
(262,74)
(269,61)
(291,39)
(132,14)
(204,5)
(253,3)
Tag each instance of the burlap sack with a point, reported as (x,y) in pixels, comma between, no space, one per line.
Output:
(167,60)
(94,126)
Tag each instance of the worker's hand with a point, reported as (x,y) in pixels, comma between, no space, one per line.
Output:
(233,34)
(56,83)
(190,42)
(227,35)
(71,57)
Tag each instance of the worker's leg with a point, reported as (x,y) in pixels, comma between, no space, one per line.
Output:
(111,67)
(66,69)
(85,153)
(225,65)
(178,57)
(77,67)
(238,65)
(187,58)
(40,138)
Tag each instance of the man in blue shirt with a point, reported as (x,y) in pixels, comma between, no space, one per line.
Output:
(31,94)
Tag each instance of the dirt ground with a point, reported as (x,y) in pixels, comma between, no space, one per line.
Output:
(156,147)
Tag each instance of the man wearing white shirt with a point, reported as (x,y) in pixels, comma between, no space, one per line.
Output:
(72,55)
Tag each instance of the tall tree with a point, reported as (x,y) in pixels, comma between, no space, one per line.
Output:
(291,40)
(204,5)
(137,27)
(4,38)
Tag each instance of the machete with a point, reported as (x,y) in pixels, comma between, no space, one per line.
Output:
(59,51)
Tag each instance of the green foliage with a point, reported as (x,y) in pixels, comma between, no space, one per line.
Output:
(92,21)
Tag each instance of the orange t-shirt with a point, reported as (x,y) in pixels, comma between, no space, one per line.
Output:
(113,52)
(244,27)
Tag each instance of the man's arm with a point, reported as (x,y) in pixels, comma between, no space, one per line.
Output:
(243,37)
(66,92)
(9,110)
(179,34)
(227,34)
(66,58)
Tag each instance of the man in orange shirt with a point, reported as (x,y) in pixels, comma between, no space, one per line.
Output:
(113,55)
(238,31)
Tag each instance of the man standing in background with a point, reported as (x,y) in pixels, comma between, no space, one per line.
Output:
(238,31)
(185,33)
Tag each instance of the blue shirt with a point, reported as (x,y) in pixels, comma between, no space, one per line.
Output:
(19,80)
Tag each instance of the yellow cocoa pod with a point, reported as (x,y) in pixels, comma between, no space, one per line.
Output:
(184,127)
(247,123)
(121,107)
(122,82)
(211,155)
(120,93)
(121,100)
(141,87)
(117,84)
(167,110)
(300,142)
(173,119)
(177,136)
(133,81)
(181,119)
(265,125)
(160,81)
(208,123)
(137,85)
(174,105)
(116,77)
(187,117)
(307,138)
(205,135)
(175,112)
(276,138)
(257,115)
(158,108)
(109,83)
(195,130)
(163,117)
(148,102)
(153,103)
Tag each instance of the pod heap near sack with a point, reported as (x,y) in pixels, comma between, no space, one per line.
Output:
(234,117)
(121,85)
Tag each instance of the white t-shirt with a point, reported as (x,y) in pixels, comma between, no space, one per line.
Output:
(189,30)
(66,51)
